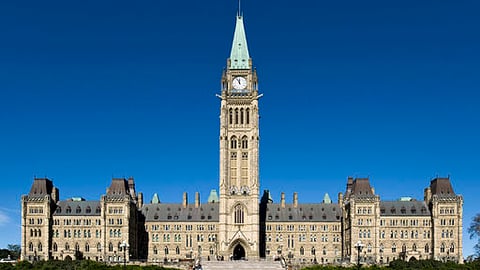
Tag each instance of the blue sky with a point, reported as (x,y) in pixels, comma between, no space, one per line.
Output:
(95,89)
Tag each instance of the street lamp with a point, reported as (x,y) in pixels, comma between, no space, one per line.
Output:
(124,245)
(359,247)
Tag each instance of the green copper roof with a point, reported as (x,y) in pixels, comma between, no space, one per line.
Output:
(326,199)
(239,55)
(155,199)
(213,197)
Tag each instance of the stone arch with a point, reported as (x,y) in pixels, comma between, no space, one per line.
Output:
(238,250)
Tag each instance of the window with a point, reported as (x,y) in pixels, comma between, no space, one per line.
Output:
(239,214)
(230,116)
(88,210)
(302,251)
(244,142)
(166,250)
(78,210)
(69,210)
(312,251)
(452,248)
(110,247)
(177,250)
(233,142)
(247,116)
(442,248)
(394,248)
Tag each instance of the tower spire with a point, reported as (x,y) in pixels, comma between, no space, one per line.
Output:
(239,57)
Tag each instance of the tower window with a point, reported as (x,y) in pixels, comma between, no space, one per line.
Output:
(241,116)
(244,142)
(247,116)
(236,116)
(239,214)
(230,116)
(233,143)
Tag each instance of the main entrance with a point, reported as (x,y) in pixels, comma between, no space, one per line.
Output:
(238,252)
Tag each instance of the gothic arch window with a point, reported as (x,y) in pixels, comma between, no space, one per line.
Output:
(67,246)
(87,247)
(442,248)
(239,214)
(452,248)
(244,142)
(155,250)
(166,250)
(236,116)
(394,248)
(404,248)
(77,247)
(302,251)
(427,248)
(233,142)
(39,246)
(247,116)
(230,116)
(177,250)
(39,233)
(30,246)
(414,247)
(99,247)
(55,247)
(313,251)
(110,247)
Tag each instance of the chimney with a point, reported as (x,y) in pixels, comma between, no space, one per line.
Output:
(197,199)
(427,195)
(340,198)
(140,200)
(185,200)
(282,200)
(295,199)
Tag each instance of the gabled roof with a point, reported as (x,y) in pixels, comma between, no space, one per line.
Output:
(78,208)
(309,212)
(239,56)
(175,212)
(404,208)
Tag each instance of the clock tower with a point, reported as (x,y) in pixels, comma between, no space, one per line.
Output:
(239,142)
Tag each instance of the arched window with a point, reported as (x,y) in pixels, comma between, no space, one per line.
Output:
(88,210)
(302,251)
(99,247)
(155,250)
(244,142)
(166,250)
(414,247)
(230,116)
(177,250)
(247,116)
(239,214)
(442,248)
(427,248)
(98,210)
(69,209)
(78,210)
(39,246)
(394,248)
(77,247)
(236,116)
(452,248)
(241,116)
(30,246)
(87,247)
(110,247)
(55,247)
(233,142)
(404,248)
(67,246)
(313,251)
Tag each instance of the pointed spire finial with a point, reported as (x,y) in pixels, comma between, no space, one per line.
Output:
(239,8)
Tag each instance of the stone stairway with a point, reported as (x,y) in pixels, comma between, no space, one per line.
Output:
(241,265)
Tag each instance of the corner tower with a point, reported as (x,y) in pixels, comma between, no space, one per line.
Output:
(239,142)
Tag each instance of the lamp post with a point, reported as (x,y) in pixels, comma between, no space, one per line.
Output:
(124,245)
(359,247)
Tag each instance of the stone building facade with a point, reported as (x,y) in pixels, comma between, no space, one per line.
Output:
(239,222)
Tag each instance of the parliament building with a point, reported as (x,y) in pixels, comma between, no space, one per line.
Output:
(240,222)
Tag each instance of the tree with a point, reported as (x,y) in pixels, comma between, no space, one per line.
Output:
(14,250)
(474,231)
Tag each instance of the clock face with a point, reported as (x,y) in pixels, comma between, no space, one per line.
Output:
(239,83)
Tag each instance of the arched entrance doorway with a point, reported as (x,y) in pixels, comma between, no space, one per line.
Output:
(238,252)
